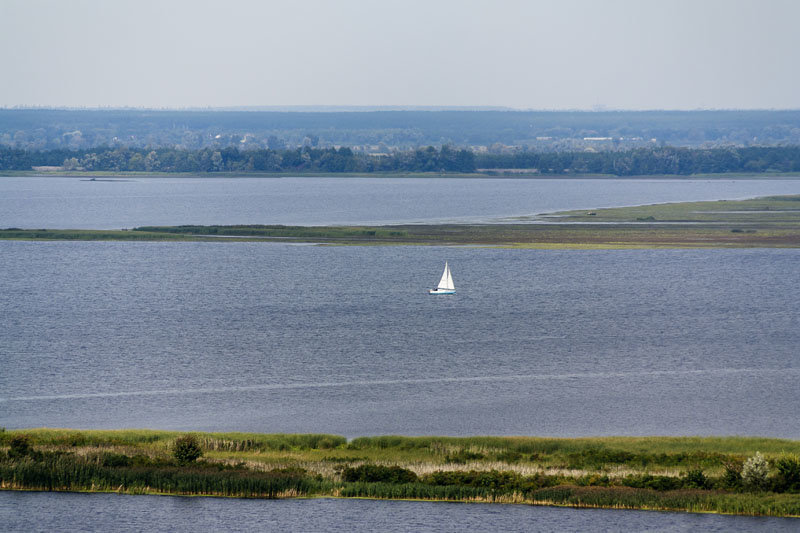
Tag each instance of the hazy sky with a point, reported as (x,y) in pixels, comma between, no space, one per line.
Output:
(556,54)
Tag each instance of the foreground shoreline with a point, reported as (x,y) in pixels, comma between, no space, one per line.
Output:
(768,222)
(693,474)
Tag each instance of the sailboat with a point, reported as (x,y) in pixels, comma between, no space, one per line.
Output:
(445,284)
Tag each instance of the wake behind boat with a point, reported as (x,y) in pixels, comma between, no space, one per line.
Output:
(445,284)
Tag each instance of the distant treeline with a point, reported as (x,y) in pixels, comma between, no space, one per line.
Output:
(638,162)
(231,159)
(649,161)
(390,130)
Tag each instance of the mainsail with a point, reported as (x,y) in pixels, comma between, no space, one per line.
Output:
(447,279)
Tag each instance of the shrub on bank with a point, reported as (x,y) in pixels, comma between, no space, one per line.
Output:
(787,478)
(696,479)
(19,446)
(732,477)
(378,474)
(647,481)
(754,472)
(186,450)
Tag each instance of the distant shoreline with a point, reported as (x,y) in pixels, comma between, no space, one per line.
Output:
(769,222)
(443,175)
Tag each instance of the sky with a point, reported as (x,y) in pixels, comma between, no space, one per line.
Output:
(535,54)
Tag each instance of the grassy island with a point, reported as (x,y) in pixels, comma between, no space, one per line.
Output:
(772,222)
(738,475)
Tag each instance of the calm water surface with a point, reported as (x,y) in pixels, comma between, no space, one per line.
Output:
(48,202)
(45,512)
(281,338)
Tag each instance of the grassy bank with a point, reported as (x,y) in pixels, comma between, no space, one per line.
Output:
(768,210)
(671,473)
(524,236)
(762,222)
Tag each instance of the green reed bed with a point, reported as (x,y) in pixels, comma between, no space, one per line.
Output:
(693,500)
(413,491)
(724,474)
(58,472)
(159,440)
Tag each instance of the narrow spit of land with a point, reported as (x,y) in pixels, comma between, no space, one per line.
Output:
(697,474)
(761,222)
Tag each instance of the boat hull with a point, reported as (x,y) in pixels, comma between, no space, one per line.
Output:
(441,291)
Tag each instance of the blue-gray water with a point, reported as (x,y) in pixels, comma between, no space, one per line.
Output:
(281,338)
(46,512)
(273,337)
(75,203)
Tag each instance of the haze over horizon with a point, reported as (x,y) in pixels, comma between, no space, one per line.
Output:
(569,55)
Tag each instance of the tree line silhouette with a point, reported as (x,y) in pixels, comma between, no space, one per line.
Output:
(637,162)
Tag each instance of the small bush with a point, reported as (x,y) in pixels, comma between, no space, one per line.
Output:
(378,474)
(20,446)
(696,479)
(755,471)
(492,480)
(647,481)
(732,477)
(788,476)
(186,450)
(116,459)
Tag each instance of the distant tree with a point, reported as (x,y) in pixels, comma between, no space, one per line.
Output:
(216,161)
(90,161)
(71,164)
(136,162)
(273,143)
(151,162)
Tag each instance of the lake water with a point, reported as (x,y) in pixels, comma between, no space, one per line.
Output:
(282,338)
(48,202)
(46,512)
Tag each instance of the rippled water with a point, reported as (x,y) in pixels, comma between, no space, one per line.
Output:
(273,338)
(280,338)
(49,202)
(45,512)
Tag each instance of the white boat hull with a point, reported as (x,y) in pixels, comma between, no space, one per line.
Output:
(442,291)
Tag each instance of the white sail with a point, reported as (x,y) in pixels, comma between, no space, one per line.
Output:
(450,280)
(447,279)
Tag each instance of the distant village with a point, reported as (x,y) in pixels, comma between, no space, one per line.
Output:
(381,133)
